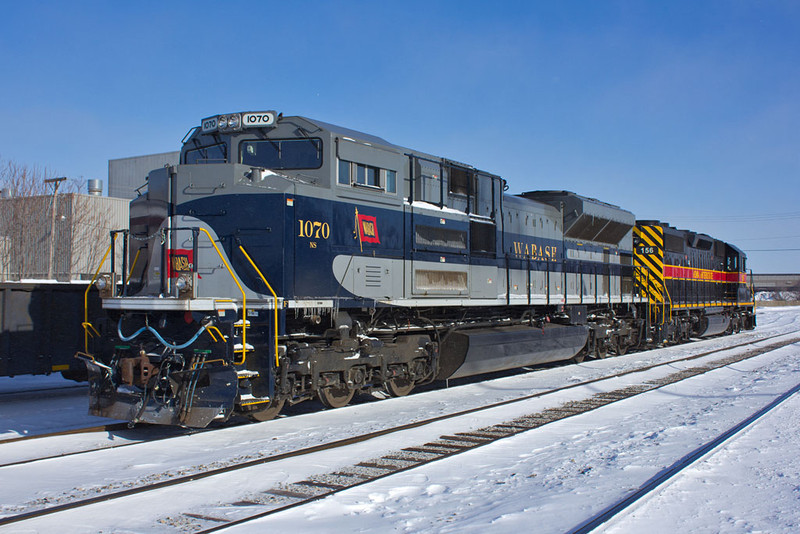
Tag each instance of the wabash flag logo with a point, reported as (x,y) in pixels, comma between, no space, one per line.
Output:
(369,229)
(366,229)
(180,261)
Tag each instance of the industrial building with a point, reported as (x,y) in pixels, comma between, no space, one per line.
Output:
(57,237)
(126,175)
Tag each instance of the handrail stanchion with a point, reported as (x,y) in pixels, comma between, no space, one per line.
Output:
(274,296)
(244,297)
(86,323)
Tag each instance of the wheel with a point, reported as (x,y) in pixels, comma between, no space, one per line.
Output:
(600,350)
(620,347)
(578,358)
(265,414)
(399,387)
(335,397)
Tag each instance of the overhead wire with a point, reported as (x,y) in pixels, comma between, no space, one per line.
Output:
(740,218)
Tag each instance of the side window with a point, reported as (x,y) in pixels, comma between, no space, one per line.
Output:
(282,154)
(373,176)
(358,174)
(391,181)
(361,174)
(207,154)
(344,172)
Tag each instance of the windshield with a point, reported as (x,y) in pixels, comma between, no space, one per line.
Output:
(207,154)
(282,153)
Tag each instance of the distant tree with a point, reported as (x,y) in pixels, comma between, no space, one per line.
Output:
(17,180)
(27,216)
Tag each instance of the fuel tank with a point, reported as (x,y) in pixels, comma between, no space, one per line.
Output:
(711,325)
(486,350)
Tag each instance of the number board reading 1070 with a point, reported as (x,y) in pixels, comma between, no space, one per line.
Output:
(260,118)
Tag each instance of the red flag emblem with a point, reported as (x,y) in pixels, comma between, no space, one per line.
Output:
(368,229)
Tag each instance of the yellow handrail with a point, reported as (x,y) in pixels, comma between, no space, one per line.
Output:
(130,272)
(244,298)
(89,326)
(86,296)
(274,296)
(210,330)
(670,300)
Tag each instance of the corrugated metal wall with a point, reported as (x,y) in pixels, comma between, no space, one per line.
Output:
(126,174)
(81,225)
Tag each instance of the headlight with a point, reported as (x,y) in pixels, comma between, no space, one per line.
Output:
(233,121)
(181,283)
(183,286)
(105,285)
(223,122)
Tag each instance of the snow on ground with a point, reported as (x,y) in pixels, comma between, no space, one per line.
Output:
(546,480)
(36,404)
(33,383)
(549,480)
(751,484)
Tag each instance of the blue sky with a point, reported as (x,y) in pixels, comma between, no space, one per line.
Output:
(682,111)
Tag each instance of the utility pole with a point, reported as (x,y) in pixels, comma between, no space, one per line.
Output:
(56,182)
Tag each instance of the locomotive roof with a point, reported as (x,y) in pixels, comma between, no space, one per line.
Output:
(688,234)
(587,219)
(355,134)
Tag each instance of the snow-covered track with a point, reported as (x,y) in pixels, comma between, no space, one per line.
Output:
(679,466)
(35,412)
(121,427)
(67,432)
(319,486)
(56,391)
(143,434)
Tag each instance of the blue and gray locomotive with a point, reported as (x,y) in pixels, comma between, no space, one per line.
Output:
(286,259)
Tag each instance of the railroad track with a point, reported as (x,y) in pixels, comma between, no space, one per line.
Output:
(685,462)
(322,486)
(153,433)
(28,394)
(122,426)
(298,493)
(47,398)
(68,432)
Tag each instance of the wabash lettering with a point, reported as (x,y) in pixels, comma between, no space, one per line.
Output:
(534,252)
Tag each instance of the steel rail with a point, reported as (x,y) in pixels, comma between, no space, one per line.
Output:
(28,394)
(113,427)
(515,427)
(679,466)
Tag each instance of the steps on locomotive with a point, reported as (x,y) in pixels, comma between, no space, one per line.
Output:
(248,399)
(243,374)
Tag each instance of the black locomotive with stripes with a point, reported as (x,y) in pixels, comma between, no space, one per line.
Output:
(696,285)
(287,259)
